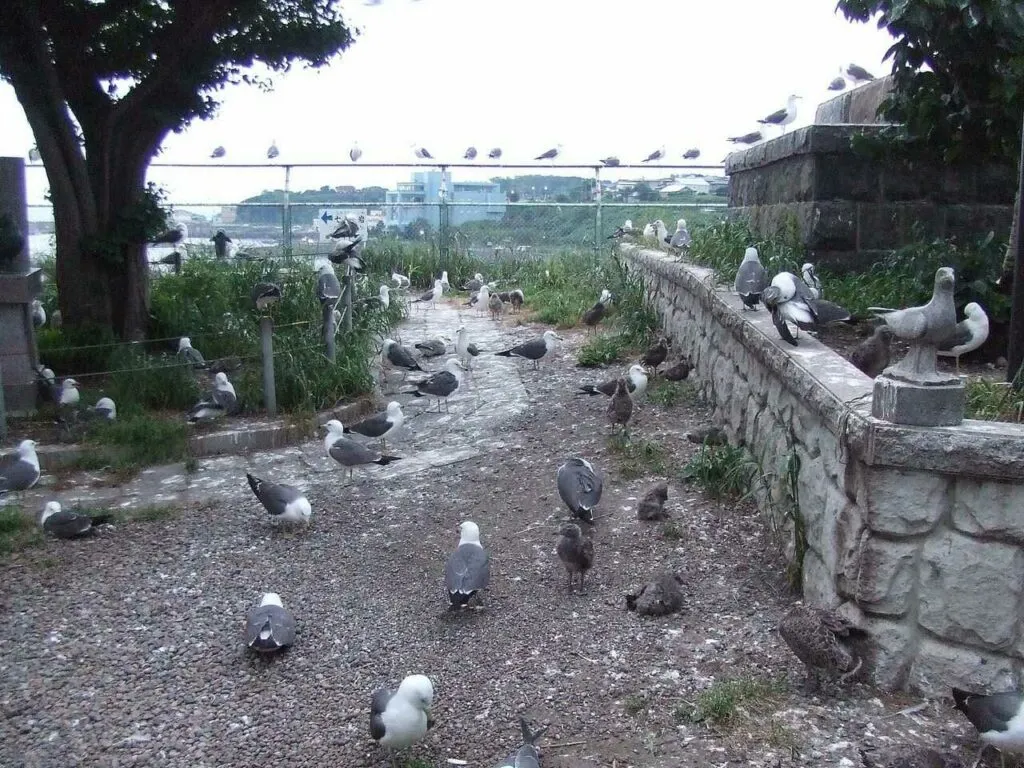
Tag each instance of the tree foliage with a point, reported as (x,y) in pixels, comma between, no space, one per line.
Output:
(103,83)
(958,71)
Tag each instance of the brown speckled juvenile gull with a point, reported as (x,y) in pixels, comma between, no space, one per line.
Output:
(821,640)
(576,552)
(872,355)
(620,408)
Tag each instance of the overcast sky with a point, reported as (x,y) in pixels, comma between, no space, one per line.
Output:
(600,77)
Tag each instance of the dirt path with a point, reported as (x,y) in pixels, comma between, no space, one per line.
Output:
(125,649)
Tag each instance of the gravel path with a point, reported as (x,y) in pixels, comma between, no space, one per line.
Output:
(125,649)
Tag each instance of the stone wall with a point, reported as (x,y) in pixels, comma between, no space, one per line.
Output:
(850,209)
(915,534)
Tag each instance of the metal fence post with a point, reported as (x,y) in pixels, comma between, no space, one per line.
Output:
(442,219)
(267,349)
(347,295)
(597,209)
(286,213)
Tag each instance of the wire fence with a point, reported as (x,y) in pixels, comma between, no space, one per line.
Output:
(489,212)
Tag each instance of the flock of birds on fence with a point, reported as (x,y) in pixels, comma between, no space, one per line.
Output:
(826,643)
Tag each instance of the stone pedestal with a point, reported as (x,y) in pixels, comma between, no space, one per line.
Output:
(920,405)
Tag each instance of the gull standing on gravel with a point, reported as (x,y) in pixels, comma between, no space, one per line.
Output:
(751,279)
(285,503)
(784,116)
(812,281)
(998,718)
(348,452)
(821,640)
(620,408)
(596,313)
(464,348)
(656,354)
(433,295)
(534,349)
(637,384)
(442,384)
(380,425)
(401,718)
(269,627)
(576,552)
(580,485)
(872,355)
(189,354)
(969,334)
(69,524)
(19,471)
(468,570)
(527,756)
(220,401)
(791,301)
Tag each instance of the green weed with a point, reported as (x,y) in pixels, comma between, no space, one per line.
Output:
(670,531)
(140,438)
(994,401)
(719,704)
(600,350)
(671,393)
(721,471)
(634,704)
(150,514)
(638,458)
(18,531)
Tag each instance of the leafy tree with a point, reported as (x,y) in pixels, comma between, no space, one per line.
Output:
(103,83)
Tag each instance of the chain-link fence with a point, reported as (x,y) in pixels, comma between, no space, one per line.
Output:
(489,213)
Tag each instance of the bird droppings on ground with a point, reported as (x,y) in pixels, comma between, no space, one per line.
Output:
(127,647)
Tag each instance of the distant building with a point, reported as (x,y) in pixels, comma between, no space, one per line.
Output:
(421,198)
(697,184)
(228,214)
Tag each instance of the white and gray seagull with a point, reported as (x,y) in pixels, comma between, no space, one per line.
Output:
(285,503)
(969,334)
(636,382)
(784,116)
(464,348)
(219,401)
(19,471)
(269,627)
(468,570)
(681,237)
(751,279)
(534,349)
(380,425)
(790,300)
(68,523)
(398,356)
(348,452)
(398,719)
(528,755)
(655,155)
(441,384)
(811,280)
(580,485)
(433,295)
(190,354)
(551,154)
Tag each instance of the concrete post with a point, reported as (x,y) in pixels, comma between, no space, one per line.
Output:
(267,349)
(19,284)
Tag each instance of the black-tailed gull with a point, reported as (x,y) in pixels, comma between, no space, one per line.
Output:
(433,295)
(576,552)
(652,505)
(398,719)
(751,279)
(69,394)
(269,627)
(637,383)
(858,75)
(969,334)
(596,313)
(551,154)
(580,485)
(495,153)
(611,161)
(681,238)
(784,116)
(468,569)
(691,154)
(38,314)
(821,639)
(19,471)
(470,154)
(620,408)
(791,301)
(747,138)
(399,356)
(872,355)
(528,755)
(189,354)
(441,384)
(105,409)
(474,285)
(348,254)
(622,231)
(656,354)
(348,452)
(534,349)
(218,152)
(328,289)
(432,347)
(285,503)
(265,294)
(400,280)
(380,425)
(272,150)
(998,718)
(355,153)
(655,155)
(69,524)
(811,280)
(220,401)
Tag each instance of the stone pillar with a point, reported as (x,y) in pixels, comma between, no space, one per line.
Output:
(19,284)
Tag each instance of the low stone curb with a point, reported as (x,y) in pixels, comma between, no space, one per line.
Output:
(260,436)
